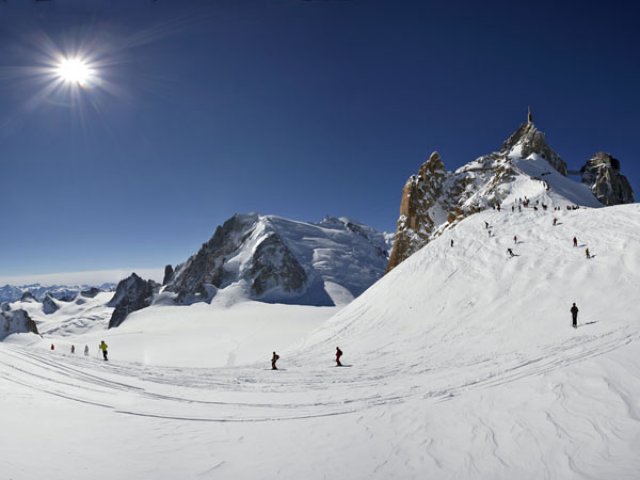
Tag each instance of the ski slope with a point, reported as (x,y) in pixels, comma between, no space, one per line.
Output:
(463,364)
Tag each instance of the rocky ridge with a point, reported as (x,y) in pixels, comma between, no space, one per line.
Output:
(609,186)
(15,321)
(272,259)
(435,199)
(132,293)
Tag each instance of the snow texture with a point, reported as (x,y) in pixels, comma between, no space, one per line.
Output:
(463,365)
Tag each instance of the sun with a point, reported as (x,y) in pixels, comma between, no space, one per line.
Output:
(74,71)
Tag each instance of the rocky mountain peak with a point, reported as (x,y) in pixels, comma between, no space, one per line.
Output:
(49,305)
(273,259)
(15,321)
(602,174)
(435,200)
(28,297)
(132,293)
(528,139)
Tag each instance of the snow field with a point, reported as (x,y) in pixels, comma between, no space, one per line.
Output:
(464,365)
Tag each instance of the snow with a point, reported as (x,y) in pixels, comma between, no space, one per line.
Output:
(463,364)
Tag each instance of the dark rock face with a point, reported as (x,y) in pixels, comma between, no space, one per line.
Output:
(132,293)
(602,174)
(272,259)
(28,297)
(531,141)
(90,292)
(168,275)
(16,321)
(67,297)
(49,306)
(204,272)
(274,266)
(419,195)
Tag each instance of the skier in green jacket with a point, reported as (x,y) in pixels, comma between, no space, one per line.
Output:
(103,346)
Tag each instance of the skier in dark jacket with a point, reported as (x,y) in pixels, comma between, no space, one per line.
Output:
(587,254)
(338,355)
(575,242)
(574,315)
(274,359)
(510,252)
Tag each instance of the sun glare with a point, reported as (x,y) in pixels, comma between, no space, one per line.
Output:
(74,71)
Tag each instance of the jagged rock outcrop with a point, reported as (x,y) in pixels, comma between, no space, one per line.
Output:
(28,297)
(417,217)
(16,321)
(275,266)
(132,293)
(168,275)
(435,200)
(90,292)
(49,306)
(531,140)
(602,174)
(273,259)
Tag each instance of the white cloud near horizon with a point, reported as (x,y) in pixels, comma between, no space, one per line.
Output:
(96,277)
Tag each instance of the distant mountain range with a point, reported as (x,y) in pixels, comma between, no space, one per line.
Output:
(11,293)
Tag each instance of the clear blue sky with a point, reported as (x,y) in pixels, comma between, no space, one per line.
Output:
(290,107)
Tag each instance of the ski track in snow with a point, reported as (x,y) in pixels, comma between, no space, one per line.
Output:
(208,395)
(467,372)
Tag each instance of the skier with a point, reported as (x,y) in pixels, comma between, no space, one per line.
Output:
(515,239)
(486,224)
(587,254)
(86,350)
(73,349)
(575,242)
(452,243)
(338,355)
(574,315)
(555,222)
(103,346)
(274,359)
(510,252)
(53,347)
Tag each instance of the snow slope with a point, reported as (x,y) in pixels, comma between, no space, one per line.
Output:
(463,365)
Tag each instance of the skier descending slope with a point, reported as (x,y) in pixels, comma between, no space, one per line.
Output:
(338,355)
(103,346)
(574,315)
(274,359)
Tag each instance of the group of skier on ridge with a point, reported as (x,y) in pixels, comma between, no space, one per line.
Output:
(275,357)
(525,203)
(102,346)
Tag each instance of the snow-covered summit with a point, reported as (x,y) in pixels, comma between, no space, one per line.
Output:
(273,259)
(525,169)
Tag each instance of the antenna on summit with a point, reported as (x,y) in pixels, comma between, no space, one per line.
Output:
(529,116)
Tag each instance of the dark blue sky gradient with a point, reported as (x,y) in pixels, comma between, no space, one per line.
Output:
(295,108)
